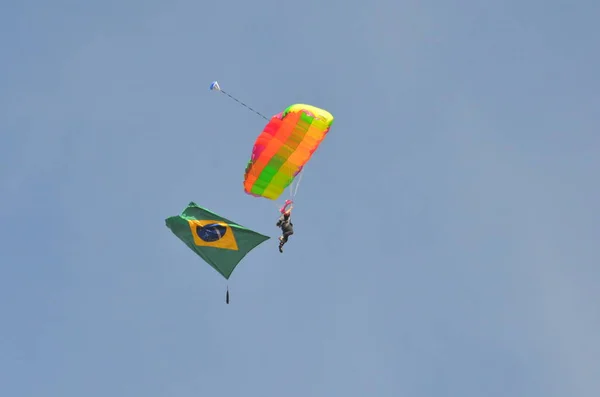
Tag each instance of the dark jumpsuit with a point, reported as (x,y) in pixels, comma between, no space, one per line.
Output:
(287,227)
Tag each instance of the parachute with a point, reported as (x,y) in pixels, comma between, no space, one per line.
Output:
(283,148)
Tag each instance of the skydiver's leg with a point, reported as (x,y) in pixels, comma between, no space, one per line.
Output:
(285,233)
(285,236)
(283,239)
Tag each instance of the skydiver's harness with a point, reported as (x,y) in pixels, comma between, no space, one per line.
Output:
(284,224)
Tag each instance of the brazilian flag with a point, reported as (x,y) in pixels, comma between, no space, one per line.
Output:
(219,241)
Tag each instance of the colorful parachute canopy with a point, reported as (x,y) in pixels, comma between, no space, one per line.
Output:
(283,148)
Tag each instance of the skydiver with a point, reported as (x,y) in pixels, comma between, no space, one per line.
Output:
(287,227)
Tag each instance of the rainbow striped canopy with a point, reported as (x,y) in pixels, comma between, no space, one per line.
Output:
(283,148)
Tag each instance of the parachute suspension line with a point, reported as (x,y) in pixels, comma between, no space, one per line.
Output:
(215,87)
(294,191)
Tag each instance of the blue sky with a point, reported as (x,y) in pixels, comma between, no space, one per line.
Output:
(445,230)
